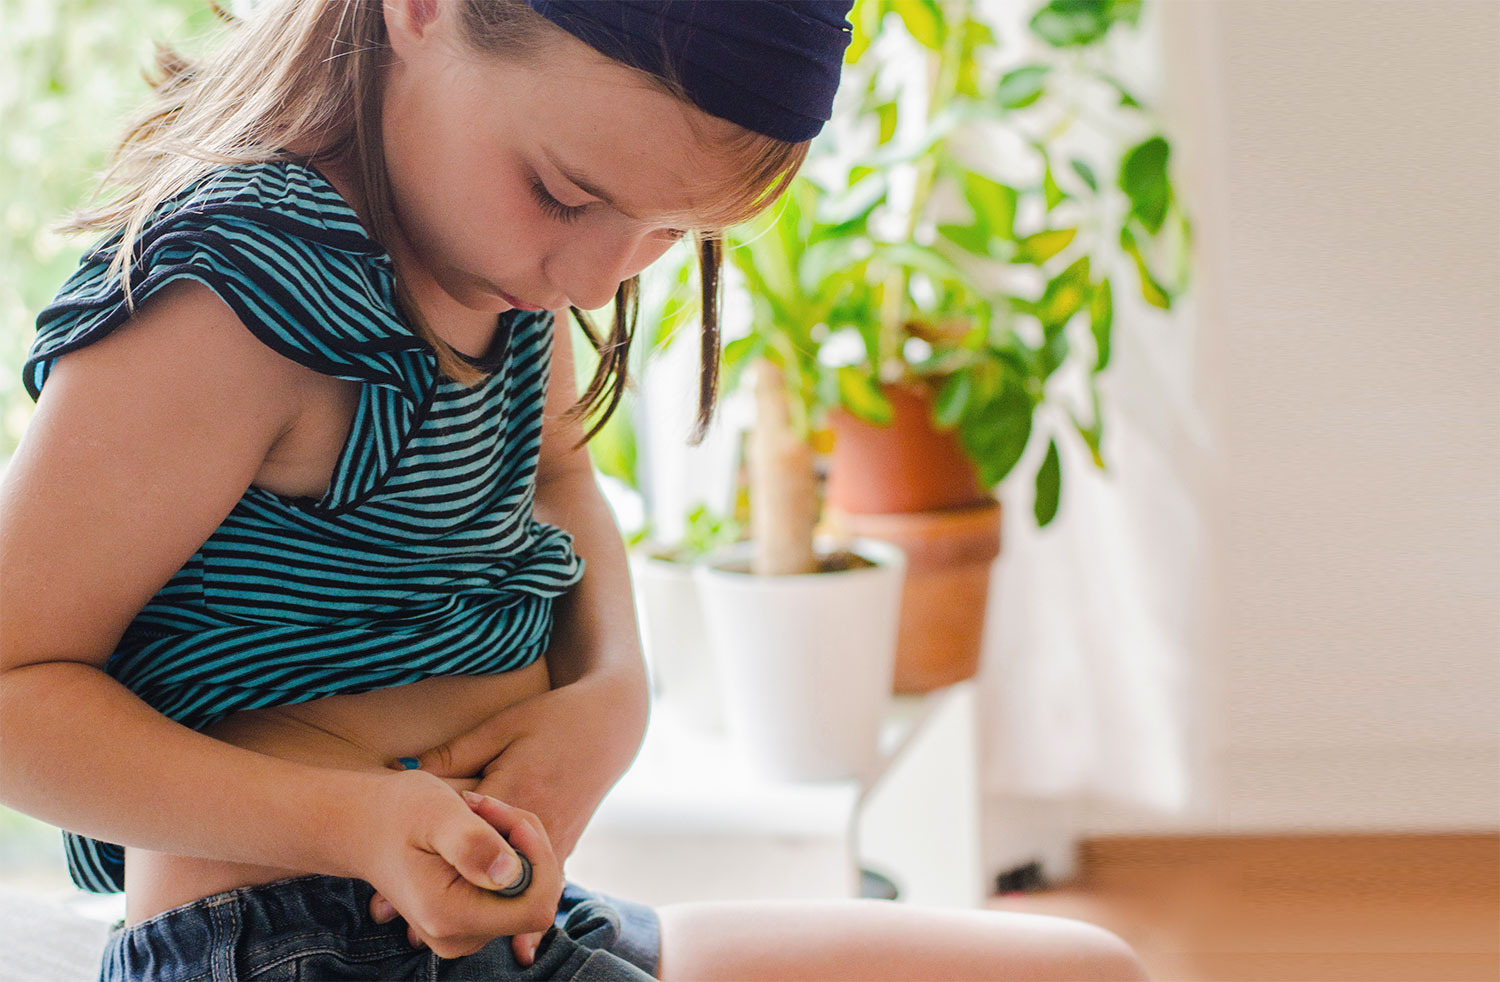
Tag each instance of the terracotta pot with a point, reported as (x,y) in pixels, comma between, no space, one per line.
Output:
(907,466)
(949,555)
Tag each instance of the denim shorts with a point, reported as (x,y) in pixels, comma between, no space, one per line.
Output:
(318,927)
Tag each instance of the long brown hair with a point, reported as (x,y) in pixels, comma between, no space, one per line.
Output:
(307,73)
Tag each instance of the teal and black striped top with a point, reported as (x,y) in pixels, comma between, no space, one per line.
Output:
(421,559)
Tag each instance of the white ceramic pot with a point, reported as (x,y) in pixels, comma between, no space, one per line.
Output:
(806,661)
(684,678)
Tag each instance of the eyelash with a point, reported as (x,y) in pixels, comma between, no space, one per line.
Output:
(553,207)
(571,213)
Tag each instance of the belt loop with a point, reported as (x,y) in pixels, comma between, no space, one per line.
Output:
(226,936)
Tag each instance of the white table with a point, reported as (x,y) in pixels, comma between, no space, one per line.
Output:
(691,820)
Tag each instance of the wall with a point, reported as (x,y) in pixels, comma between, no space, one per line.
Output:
(1341,159)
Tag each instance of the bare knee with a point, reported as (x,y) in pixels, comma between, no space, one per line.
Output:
(1104,956)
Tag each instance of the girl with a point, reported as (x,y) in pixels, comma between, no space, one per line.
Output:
(299,648)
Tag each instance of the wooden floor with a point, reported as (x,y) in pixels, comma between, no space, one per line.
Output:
(1276,909)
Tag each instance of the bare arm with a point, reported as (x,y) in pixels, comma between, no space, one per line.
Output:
(141,443)
(83,753)
(595,632)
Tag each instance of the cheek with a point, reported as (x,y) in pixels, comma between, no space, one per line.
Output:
(469,218)
(462,202)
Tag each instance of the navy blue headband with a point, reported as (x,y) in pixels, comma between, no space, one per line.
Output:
(771,66)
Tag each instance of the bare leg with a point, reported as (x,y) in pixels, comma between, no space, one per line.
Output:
(868,940)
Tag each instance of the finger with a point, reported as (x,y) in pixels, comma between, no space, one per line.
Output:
(522,830)
(466,754)
(478,850)
(413,939)
(525,946)
(381,910)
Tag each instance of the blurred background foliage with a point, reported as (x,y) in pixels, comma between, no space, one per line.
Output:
(72,76)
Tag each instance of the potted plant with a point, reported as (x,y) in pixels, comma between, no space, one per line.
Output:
(804,631)
(684,673)
(931,396)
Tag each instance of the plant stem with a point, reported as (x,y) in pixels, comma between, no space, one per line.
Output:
(783,482)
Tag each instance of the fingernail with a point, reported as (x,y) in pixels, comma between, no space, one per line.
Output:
(505,871)
(473,798)
(409,763)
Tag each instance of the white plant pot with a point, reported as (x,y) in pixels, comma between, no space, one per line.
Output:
(807,662)
(684,678)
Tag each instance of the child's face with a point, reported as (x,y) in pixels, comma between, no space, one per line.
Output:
(471,144)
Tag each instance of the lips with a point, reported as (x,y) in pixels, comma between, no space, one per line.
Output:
(516,303)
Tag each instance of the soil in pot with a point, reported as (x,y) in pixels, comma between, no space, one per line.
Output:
(833,562)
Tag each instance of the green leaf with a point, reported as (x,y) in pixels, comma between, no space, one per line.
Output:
(966,83)
(1054,194)
(952,400)
(1151,290)
(994,204)
(739,349)
(1126,11)
(970,238)
(923,20)
(1054,352)
(1048,487)
(1037,249)
(977,35)
(1064,296)
(1101,316)
(887,113)
(1090,439)
(858,392)
(865,21)
(1020,87)
(1143,176)
(1065,23)
(995,431)
(1086,172)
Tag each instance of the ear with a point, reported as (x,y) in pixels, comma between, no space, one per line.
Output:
(407,23)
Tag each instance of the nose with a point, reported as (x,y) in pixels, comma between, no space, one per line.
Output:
(592,270)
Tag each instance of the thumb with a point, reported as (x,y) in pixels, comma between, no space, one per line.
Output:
(479,853)
(466,755)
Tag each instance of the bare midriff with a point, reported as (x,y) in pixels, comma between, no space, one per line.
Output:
(360,732)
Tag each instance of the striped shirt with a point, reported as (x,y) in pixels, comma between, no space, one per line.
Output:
(421,559)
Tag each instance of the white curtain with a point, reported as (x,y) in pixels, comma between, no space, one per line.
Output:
(1091,690)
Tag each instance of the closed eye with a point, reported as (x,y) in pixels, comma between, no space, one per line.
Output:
(553,207)
(571,213)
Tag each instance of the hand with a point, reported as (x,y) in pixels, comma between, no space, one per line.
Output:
(556,754)
(429,854)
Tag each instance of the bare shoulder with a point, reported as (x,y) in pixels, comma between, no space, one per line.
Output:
(141,443)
